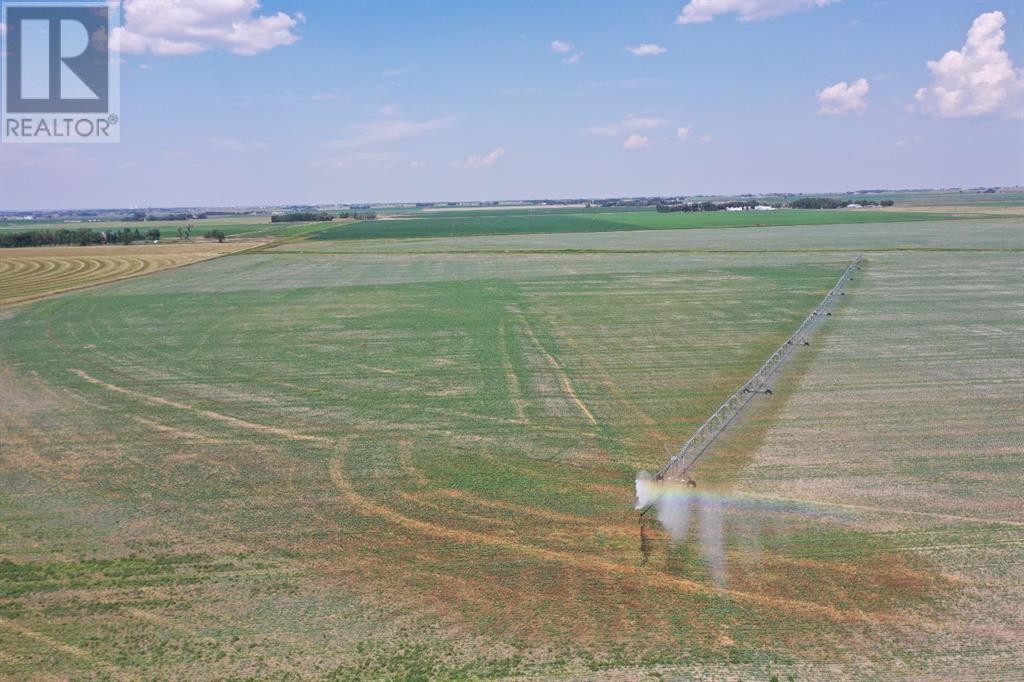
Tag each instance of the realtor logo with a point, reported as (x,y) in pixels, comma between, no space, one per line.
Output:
(60,80)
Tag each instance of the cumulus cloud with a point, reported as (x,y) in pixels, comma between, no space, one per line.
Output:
(706,137)
(477,161)
(176,27)
(842,98)
(635,141)
(574,59)
(390,129)
(561,46)
(683,132)
(627,124)
(647,50)
(701,11)
(978,79)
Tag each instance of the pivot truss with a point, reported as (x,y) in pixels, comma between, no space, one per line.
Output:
(678,467)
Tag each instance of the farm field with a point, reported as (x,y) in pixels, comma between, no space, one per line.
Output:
(470,224)
(967,234)
(415,458)
(34,272)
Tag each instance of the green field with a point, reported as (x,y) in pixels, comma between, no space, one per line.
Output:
(415,459)
(470,224)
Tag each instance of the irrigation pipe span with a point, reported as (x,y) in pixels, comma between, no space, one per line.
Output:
(692,450)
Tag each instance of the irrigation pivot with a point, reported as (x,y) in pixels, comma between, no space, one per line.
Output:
(679,465)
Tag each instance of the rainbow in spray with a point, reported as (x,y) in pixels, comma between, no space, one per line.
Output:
(676,504)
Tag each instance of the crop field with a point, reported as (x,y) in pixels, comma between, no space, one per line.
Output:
(414,458)
(471,224)
(34,272)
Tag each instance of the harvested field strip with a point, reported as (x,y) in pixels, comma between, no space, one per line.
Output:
(25,277)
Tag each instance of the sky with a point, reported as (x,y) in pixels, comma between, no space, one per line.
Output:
(241,103)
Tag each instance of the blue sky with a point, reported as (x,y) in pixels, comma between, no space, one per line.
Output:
(342,102)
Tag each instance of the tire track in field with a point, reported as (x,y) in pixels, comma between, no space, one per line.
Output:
(581,561)
(234,421)
(560,373)
(510,374)
(62,647)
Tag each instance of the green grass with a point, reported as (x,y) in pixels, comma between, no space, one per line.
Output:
(381,465)
(472,225)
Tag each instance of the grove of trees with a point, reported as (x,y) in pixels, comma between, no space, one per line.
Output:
(64,237)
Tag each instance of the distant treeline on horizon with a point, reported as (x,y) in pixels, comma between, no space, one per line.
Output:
(806,202)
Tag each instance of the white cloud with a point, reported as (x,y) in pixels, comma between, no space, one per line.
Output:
(842,98)
(175,27)
(416,165)
(229,144)
(706,137)
(683,132)
(574,59)
(477,161)
(635,141)
(979,79)
(388,130)
(627,124)
(700,11)
(401,71)
(647,50)
(367,161)
(561,46)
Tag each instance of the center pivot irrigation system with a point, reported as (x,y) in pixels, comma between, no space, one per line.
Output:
(678,467)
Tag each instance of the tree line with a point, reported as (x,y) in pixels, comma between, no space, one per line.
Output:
(318,217)
(80,237)
(805,202)
(142,216)
(829,202)
(700,206)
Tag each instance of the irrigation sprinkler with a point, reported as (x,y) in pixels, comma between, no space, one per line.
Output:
(679,465)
